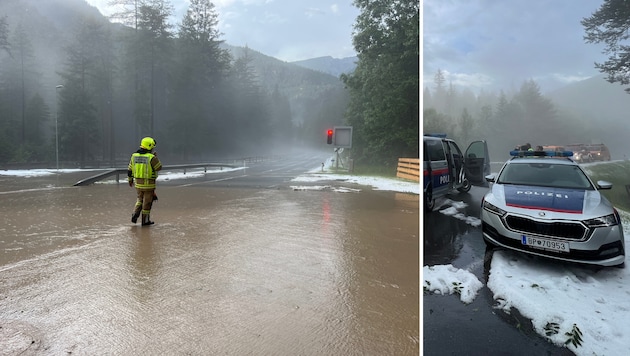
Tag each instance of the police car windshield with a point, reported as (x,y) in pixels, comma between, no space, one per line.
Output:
(545,174)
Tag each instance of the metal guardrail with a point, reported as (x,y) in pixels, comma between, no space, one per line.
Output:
(118,171)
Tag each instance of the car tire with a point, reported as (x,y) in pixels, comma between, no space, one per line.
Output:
(429,202)
(487,261)
(622,265)
(465,186)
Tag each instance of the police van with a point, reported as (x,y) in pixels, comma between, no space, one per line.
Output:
(446,169)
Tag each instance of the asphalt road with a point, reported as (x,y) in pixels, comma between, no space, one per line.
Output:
(238,263)
(451,327)
(266,174)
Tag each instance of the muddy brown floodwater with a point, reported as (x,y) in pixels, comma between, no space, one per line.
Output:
(223,271)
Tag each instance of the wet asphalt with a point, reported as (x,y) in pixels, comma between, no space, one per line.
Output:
(239,264)
(451,327)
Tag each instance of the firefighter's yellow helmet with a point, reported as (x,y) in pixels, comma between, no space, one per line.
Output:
(147,143)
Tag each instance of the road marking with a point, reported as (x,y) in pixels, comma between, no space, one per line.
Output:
(211,181)
(32,190)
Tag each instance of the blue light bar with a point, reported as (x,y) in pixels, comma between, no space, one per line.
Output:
(517,153)
(439,135)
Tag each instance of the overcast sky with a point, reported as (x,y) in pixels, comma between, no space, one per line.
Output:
(500,44)
(289,30)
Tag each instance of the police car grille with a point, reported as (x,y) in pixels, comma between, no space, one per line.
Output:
(556,229)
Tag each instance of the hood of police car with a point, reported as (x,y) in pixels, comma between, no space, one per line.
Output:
(551,202)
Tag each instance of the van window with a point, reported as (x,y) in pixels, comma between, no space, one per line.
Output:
(456,152)
(476,150)
(435,149)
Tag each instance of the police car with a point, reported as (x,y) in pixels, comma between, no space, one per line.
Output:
(542,203)
(445,169)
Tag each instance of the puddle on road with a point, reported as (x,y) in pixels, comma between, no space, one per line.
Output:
(223,271)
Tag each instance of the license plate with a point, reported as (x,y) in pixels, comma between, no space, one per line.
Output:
(545,244)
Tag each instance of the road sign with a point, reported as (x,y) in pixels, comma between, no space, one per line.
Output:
(342,136)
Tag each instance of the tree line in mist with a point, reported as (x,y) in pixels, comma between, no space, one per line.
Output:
(384,88)
(116,84)
(141,76)
(504,120)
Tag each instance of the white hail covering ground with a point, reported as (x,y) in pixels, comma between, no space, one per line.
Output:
(328,173)
(562,300)
(315,175)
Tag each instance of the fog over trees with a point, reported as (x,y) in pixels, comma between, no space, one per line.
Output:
(592,111)
(102,84)
(385,86)
(609,25)
(98,85)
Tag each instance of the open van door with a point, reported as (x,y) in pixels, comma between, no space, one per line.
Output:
(477,163)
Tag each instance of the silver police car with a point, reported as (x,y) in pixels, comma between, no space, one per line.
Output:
(545,205)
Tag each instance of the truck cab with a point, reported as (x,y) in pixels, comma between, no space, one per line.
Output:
(445,168)
(599,152)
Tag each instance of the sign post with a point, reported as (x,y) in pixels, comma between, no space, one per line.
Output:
(342,138)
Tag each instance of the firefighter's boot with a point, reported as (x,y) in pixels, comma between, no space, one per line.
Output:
(146,221)
(134,217)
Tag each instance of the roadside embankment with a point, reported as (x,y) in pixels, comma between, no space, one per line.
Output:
(617,173)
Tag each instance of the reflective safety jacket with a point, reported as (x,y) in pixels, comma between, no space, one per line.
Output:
(143,166)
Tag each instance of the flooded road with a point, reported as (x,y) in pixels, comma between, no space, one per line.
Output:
(225,271)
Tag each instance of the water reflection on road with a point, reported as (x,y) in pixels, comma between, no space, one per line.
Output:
(224,271)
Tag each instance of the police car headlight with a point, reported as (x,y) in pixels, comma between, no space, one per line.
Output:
(608,220)
(493,209)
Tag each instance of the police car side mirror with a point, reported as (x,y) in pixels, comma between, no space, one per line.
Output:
(602,184)
(491,177)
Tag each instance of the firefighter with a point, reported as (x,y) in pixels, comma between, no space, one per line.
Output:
(143,167)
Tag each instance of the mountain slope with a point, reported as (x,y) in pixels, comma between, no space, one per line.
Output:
(50,24)
(289,77)
(594,98)
(600,108)
(330,65)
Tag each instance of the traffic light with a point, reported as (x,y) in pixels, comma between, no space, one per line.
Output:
(330,133)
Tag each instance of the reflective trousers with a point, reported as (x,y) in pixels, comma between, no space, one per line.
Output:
(144,202)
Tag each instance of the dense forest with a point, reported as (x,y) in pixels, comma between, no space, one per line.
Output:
(385,87)
(102,84)
(91,87)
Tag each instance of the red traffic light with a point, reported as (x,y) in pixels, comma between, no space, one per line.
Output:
(330,135)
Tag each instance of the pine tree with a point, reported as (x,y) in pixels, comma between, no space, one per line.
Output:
(154,45)
(385,85)
(23,53)
(5,45)
(610,25)
(78,126)
(199,73)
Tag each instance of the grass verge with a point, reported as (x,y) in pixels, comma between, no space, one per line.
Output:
(374,171)
(617,173)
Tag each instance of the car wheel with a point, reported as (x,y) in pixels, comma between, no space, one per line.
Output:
(487,261)
(465,186)
(429,202)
